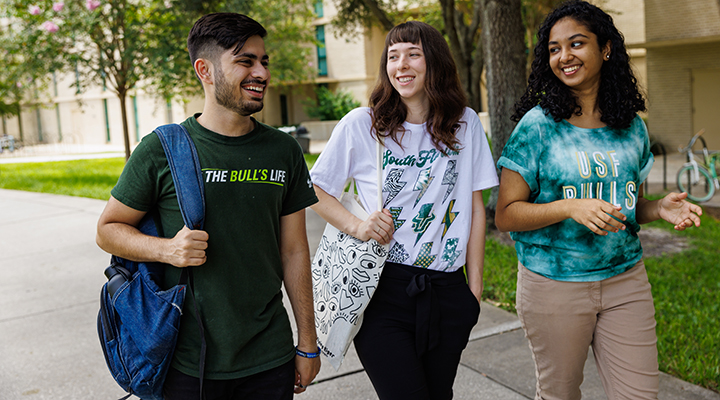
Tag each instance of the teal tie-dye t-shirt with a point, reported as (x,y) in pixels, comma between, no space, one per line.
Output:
(559,161)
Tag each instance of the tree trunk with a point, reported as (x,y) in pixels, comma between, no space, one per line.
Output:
(466,47)
(503,37)
(20,125)
(122,95)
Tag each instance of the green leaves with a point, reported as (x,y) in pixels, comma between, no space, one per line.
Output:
(125,43)
(330,106)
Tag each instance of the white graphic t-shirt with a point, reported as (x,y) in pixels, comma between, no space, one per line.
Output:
(428,194)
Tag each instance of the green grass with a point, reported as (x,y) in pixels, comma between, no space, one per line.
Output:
(686,285)
(686,288)
(83,178)
(500,275)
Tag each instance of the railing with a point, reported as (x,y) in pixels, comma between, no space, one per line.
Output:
(660,150)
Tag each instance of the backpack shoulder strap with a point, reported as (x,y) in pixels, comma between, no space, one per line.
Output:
(186,173)
(187,176)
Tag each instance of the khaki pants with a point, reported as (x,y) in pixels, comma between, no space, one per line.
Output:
(615,316)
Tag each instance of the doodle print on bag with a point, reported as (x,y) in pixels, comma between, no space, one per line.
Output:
(348,275)
(345,274)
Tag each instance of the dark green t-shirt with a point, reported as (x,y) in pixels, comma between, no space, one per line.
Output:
(250,182)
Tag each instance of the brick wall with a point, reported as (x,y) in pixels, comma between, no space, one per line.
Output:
(681,19)
(629,17)
(670,89)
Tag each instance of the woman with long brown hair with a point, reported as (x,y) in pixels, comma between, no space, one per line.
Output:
(436,162)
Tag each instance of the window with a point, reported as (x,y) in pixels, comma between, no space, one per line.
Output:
(321,54)
(283,110)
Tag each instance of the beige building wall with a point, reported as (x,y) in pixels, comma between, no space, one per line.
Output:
(629,18)
(677,20)
(352,63)
(683,39)
(670,83)
(92,118)
(706,98)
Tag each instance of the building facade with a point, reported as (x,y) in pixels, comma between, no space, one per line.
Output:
(347,63)
(93,117)
(683,70)
(674,48)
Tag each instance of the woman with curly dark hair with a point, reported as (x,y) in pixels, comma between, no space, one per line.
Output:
(436,162)
(618,98)
(570,195)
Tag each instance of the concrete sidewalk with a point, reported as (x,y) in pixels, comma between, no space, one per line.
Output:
(60,152)
(51,273)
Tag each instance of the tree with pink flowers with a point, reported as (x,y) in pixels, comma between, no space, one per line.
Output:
(27,55)
(125,44)
(108,43)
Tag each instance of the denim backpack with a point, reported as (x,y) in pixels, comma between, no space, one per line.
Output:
(138,322)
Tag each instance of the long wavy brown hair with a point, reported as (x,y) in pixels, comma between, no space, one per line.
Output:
(442,85)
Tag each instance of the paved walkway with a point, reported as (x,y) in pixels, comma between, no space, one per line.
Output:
(51,273)
(60,152)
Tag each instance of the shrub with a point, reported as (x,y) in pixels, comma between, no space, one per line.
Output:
(330,106)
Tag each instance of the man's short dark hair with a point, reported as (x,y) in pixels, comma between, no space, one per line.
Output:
(215,33)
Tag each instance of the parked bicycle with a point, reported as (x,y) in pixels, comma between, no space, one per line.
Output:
(699,179)
(7,142)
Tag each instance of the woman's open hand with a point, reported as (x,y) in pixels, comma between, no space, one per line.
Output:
(674,209)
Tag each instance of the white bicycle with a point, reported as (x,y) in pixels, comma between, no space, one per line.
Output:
(699,179)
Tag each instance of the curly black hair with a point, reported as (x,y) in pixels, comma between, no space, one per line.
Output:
(619,98)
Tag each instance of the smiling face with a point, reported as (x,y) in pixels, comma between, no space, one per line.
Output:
(406,69)
(575,56)
(241,79)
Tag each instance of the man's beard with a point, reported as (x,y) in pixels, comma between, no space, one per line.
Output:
(224,97)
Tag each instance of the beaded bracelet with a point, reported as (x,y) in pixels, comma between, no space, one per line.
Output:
(307,355)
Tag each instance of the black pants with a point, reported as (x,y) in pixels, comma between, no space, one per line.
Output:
(274,384)
(414,331)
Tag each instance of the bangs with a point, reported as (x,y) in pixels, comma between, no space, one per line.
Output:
(405,33)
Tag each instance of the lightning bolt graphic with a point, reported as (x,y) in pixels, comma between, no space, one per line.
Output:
(450,178)
(450,253)
(425,259)
(393,184)
(421,222)
(449,217)
(395,212)
(398,254)
(422,183)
